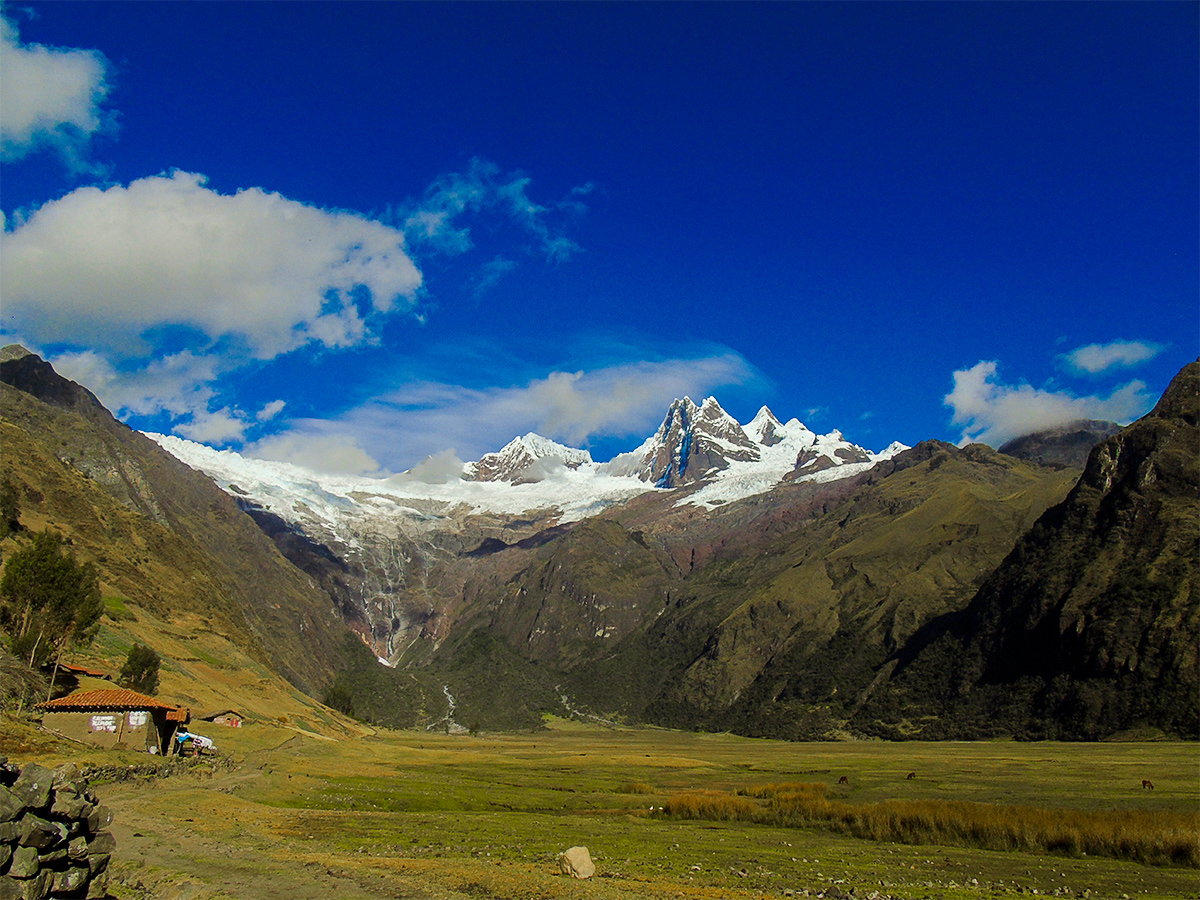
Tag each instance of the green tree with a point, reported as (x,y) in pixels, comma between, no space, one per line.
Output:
(140,671)
(49,600)
(10,507)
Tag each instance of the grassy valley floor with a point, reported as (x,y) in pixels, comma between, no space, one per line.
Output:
(421,815)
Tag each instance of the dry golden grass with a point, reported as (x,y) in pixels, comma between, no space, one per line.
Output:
(715,806)
(1153,837)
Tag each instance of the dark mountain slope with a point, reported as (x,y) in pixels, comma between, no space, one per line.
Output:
(1091,625)
(162,534)
(704,618)
(783,642)
(1069,445)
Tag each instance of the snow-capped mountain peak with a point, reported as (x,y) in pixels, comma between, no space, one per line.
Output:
(765,428)
(691,442)
(701,446)
(524,460)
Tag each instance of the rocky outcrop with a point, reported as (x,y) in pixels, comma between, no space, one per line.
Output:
(54,840)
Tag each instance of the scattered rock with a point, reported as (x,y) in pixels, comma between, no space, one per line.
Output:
(576,862)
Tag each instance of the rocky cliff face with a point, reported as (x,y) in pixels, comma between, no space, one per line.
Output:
(692,441)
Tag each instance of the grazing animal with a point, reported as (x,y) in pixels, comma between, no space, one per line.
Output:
(1147,784)
(843,780)
(910,776)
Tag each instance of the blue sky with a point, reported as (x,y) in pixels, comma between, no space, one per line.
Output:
(353,235)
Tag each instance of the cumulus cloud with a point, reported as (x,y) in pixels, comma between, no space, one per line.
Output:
(177,384)
(437,220)
(49,97)
(423,419)
(992,412)
(106,267)
(1096,358)
(438,468)
(312,449)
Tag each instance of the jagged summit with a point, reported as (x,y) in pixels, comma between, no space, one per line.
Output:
(706,444)
(691,442)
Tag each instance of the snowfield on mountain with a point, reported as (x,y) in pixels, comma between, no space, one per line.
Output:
(695,444)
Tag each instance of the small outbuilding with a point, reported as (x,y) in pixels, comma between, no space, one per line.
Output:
(230,718)
(79,671)
(115,719)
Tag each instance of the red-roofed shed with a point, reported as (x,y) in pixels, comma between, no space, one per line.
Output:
(81,670)
(115,718)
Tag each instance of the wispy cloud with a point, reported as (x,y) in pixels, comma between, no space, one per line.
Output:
(992,412)
(492,273)
(422,419)
(1096,358)
(437,220)
(315,449)
(50,97)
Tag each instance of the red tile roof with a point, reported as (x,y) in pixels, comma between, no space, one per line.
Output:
(80,670)
(113,700)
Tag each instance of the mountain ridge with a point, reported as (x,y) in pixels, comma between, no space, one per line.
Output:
(789,585)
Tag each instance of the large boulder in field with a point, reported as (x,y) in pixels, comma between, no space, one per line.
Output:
(576,862)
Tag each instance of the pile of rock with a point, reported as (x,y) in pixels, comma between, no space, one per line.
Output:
(53,841)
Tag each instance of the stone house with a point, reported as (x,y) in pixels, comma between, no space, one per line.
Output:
(115,719)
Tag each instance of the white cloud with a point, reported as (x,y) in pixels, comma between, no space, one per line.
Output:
(105,268)
(49,97)
(992,412)
(216,427)
(438,468)
(177,384)
(422,419)
(332,453)
(1096,358)
(270,410)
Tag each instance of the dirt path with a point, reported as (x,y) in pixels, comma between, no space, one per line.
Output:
(175,853)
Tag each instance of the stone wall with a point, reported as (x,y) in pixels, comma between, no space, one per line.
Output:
(53,834)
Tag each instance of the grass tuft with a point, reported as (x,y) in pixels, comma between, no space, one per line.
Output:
(636,787)
(711,806)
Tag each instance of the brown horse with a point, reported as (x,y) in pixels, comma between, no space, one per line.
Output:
(910,776)
(843,780)
(1147,784)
